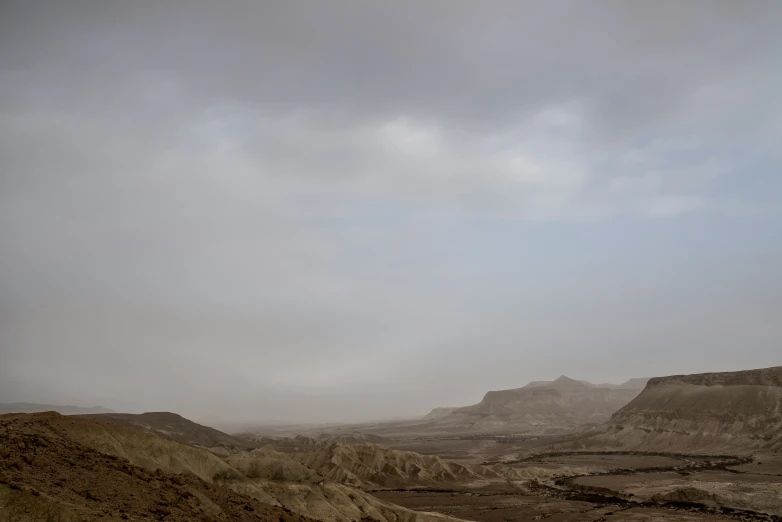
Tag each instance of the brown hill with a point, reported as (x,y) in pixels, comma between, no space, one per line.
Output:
(45,475)
(540,405)
(154,454)
(269,464)
(369,465)
(707,412)
(180,429)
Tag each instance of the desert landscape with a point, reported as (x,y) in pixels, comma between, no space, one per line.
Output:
(682,448)
(390,261)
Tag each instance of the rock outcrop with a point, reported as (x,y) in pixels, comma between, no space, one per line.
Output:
(707,412)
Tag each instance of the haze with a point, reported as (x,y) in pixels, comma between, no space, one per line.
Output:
(310,212)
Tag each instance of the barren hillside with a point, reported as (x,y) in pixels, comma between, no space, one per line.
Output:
(707,412)
(180,429)
(46,475)
(73,441)
(369,465)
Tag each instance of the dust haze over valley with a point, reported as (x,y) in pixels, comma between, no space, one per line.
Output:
(404,262)
(345,213)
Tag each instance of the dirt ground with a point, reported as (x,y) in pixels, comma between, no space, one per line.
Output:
(741,490)
(604,462)
(619,486)
(517,507)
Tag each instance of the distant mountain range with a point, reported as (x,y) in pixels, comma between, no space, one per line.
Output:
(637,383)
(540,405)
(32,407)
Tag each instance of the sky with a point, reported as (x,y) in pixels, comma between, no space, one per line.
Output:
(339,211)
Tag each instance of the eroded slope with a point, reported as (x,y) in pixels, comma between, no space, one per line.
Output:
(45,475)
(107,447)
(730,412)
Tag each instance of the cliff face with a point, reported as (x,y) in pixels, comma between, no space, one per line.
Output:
(708,412)
(749,400)
(760,377)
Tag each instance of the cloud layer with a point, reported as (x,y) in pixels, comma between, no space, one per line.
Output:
(352,210)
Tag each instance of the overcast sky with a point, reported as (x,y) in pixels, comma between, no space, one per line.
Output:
(312,211)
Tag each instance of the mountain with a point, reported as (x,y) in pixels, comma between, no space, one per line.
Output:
(563,382)
(637,383)
(439,413)
(540,405)
(707,412)
(175,427)
(31,407)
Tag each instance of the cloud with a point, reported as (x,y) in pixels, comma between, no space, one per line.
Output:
(298,205)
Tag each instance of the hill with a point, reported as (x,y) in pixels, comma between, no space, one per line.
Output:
(180,429)
(32,407)
(46,475)
(707,412)
(104,454)
(541,405)
(369,465)
(439,413)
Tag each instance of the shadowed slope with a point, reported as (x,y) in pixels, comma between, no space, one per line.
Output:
(110,442)
(180,429)
(46,475)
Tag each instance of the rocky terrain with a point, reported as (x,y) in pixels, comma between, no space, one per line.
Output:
(688,448)
(370,466)
(47,475)
(731,412)
(49,459)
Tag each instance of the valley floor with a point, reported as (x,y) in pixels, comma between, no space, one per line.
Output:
(618,486)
